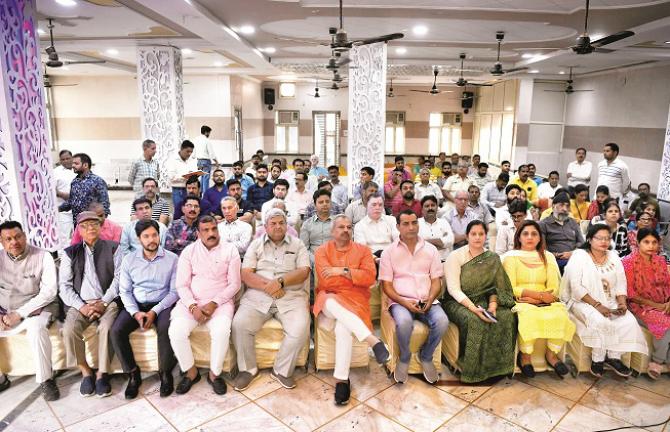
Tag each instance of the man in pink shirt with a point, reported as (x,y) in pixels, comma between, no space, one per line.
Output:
(108,229)
(411,273)
(208,277)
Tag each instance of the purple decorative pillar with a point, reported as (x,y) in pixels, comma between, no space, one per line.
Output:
(27,186)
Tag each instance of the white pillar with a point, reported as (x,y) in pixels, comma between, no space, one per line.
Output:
(367,112)
(664,179)
(27,185)
(160,81)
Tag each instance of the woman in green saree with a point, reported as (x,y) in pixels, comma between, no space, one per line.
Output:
(477,282)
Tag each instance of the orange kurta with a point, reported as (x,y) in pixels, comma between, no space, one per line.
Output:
(352,294)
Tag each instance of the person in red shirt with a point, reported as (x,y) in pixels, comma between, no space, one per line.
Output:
(408,202)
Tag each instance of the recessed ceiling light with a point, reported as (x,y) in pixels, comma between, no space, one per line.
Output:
(218,63)
(68,3)
(41,32)
(247,29)
(112,51)
(561,72)
(269,50)
(231,32)
(400,50)
(186,51)
(533,71)
(668,42)
(527,55)
(420,30)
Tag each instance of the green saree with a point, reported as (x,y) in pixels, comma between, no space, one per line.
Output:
(485,350)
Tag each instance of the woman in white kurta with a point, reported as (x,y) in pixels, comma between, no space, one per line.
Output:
(594,290)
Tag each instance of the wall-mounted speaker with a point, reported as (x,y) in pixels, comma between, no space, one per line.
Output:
(269,96)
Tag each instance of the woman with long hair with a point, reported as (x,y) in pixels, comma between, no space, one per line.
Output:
(649,294)
(643,220)
(595,293)
(479,302)
(618,230)
(533,273)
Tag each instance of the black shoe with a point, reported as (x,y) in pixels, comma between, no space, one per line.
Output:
(618,367)
(218,384)
(342,392)
(381,353)
(186,383)
(167,383)
(597,369)
(560,368)
(5,384)
(134,383)
(526,369)
(102,386)
(50,390)
(87,386)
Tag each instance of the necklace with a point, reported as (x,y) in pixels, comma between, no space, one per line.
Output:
(598,262)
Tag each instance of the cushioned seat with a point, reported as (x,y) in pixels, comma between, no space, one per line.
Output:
(416,341)
(324,350)
(268,341)
(640,362)
(538,359)
(450,345)
(375,301)
(581,354)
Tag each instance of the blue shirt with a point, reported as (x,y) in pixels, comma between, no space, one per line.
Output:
(83,191)
(144,281)
(259,195)
(211,201)
(245,181)
(318,171)
(130,242)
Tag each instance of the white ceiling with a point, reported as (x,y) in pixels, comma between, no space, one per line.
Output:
(546,27)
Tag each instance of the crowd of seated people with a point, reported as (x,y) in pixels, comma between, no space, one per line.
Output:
(300,245)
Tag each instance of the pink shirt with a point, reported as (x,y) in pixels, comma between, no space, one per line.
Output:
(108,231)
(411,273)
(208,275)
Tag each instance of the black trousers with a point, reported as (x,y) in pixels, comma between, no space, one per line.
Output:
(126,324)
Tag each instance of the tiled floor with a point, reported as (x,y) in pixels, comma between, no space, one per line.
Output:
(542,404)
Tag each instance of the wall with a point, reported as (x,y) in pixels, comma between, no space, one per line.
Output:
(494,121)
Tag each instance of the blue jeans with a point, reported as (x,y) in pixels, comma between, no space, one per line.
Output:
(178,195)
(206,166)
(435,319)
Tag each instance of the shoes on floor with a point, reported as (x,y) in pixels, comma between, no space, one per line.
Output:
(618,367)
(167,383)
(429,371)
(286,382)
(186,383)
(218,384)
(381,353)
(400,374)
(243,380)
(342,392)
(526,369)
(597,369)
(102,386)
(4,385)
(134,383)
(87,386)
(50,390)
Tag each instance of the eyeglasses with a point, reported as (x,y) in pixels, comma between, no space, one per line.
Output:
(646,219)
(518,217)
(89,225)
(602,239)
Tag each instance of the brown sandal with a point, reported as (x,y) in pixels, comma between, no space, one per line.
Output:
(654,370)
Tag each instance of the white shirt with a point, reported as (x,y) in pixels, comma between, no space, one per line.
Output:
(579,173)
(298,200)
(177,168)
(505,238)
(440,229)
(236,232)
(356,211)
(340,194)
(493,197)
(544,190)
(615,176)
(421,190)
(64,179)
(204,148)
(291,213)
(455,183)
(377,235)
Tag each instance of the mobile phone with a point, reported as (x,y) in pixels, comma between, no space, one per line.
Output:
(421,304)
(488,314)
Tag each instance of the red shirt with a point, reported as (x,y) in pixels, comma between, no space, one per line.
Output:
(400,206)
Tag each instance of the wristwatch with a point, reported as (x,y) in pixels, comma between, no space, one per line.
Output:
(346,270)
(281,282)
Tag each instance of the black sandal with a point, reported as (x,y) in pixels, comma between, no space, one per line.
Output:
(527,370)
(560,368)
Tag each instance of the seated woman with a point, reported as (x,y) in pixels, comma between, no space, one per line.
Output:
(649,295)
(579,206)
(535,280)
(644,220)
(650,209)
(612,218)
(505,236)
(476,282)
(597,205)
(594,291)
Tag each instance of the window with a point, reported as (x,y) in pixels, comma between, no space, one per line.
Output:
(286,131)
(444,133)
(395,132)
(287,90)
(327,137)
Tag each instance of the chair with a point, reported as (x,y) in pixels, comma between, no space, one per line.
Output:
(640,362)
(375,301)
(418,338)
(581,354)
(324,350)
(268,341)
(450,346)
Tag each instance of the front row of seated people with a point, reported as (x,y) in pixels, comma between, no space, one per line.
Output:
(495,303)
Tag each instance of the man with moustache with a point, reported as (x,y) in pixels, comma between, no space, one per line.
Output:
(261,192)
(182,232)
(434,230)
(129,239)
(245,180)
(160,208)
(561,232)
(459,217)
(145,167)
(85,188)
(358,208)
(147,290)
(245,211)
(211,200)
(525,182)
(231,228)
(408,201)
(503,218)
(192,189)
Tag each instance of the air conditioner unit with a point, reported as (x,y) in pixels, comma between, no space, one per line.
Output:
(288,118)
(451,119)
(395,118)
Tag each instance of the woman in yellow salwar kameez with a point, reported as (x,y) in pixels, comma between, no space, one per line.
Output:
(535,280)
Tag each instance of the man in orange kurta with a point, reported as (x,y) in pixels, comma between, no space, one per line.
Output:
(345,270)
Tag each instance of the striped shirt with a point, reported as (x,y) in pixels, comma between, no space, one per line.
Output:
(615,176)
(159,207)
(140,170)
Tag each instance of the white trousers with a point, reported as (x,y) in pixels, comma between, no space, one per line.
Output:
(598,354)
(219,333)
(65,230)
(346,325)
(38,337)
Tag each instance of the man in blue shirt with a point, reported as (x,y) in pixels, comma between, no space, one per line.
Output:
(261,192)
(85,188)
(318,171)
(129,240)
(148,292)
(211,200)
(246,180)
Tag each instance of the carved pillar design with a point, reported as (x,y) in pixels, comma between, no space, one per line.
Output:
(27,185)
(367,111)
(160,81)
(664,179)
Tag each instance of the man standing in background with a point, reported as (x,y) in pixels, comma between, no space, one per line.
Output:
(178,166)
(205,154)
(579,171)
(64,176)
(144,168)
(85,188)
(613,172)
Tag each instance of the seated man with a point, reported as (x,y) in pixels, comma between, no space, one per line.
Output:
(184,231)
(358,208)
(192,189)
(274,272)
(160,208)
(28,290)
(411,272)
(211,199)
(208,277)
(345,272)
(426,186)
(335,208)
(245,211)
(89,287)
(561,232)
(129,239)
(459,218)
(281,205)
(316,230)
(108,229)
(280,190)
(476,205)
(231,228)
(512,192)
(147,290)
(376,231)
(434,230)
(408,201)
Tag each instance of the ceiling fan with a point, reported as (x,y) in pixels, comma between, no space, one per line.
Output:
(584,44)
(497,69)
(54,61)
(337,86)
(390,93)
(462,82)
(433,90)
(568,87)
(316,90)
(339,41)
(46,81)
(336,61)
